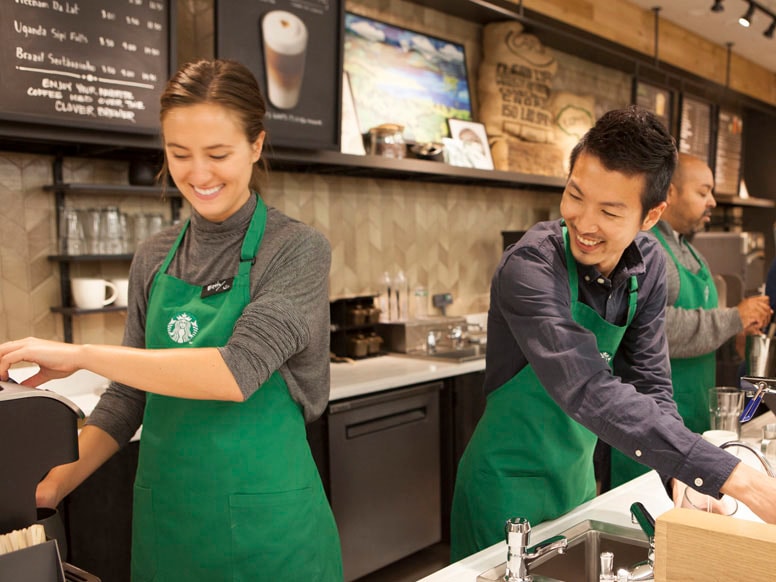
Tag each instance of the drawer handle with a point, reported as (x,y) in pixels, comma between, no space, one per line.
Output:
(385,422)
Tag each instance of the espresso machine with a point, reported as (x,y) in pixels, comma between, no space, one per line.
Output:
(39,430)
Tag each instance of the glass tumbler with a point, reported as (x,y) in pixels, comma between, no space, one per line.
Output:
(768,443)
(695,500)
(725,407)
(111,232)
(71,233)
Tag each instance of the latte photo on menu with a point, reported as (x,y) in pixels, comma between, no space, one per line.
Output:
(285,44)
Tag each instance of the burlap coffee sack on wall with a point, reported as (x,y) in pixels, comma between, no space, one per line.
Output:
(512,154)
(515,78)
(572,116)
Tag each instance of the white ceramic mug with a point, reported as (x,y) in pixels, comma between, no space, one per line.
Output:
(122,292)
(89,293)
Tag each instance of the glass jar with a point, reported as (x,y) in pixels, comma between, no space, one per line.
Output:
(387,140)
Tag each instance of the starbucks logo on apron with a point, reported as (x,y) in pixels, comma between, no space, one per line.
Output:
(607,357)
(182,328)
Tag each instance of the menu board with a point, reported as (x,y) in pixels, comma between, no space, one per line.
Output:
(294,48)
(85,63)
(727,171)
(655,99)
(695,128)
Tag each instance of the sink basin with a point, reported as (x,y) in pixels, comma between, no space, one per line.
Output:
(581,560)
(448,354)
(470,352)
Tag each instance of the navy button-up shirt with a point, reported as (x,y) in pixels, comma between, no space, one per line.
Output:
(629,405)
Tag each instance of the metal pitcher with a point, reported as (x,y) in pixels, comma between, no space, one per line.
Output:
(761,355)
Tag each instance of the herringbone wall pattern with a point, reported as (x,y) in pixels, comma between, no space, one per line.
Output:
(445,237)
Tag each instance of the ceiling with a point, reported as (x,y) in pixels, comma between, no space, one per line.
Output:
(722,27)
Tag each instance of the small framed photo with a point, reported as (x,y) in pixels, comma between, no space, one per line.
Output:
(468,145)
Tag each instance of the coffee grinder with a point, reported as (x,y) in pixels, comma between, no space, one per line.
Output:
(39,430)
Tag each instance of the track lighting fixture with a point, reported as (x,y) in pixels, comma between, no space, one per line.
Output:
(746,19)
(771,29)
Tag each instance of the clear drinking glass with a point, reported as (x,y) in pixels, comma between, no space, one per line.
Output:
(71,233)
(768,443)
(91,224)
(695,500)
(112,235)
(725,407)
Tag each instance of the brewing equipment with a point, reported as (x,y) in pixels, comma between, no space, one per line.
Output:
(39,430)
(737,257)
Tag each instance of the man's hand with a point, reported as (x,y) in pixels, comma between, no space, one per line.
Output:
(755,313)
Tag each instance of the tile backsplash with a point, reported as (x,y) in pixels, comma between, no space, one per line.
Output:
(445,237)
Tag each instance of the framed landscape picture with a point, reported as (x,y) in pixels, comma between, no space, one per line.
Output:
(405,77)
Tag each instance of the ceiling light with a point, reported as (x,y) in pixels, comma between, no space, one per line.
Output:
(746,19)
(718,6)
(771,29)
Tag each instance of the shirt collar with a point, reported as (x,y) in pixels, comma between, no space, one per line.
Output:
(631,263)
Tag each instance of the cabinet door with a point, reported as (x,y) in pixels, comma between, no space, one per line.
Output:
(462,405)
(385,478)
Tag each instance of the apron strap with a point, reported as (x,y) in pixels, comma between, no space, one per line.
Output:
(251,240)
(174,249)
(253,236)
(633,296)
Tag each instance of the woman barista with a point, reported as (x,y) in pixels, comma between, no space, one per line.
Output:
(225,355)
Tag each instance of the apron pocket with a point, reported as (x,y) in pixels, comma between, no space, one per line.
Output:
(143,536)
(275,535)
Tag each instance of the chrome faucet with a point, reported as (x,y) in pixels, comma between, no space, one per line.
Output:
(765,463)
(642,571)
(431,342)
(518,531)
(456,337)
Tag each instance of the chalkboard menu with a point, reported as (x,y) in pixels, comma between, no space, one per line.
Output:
(655,99)
(294,48)
(695,128)
(90,64)
(727,171)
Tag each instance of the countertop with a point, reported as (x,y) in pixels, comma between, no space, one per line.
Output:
(386,372)
(347,380)
(612,507)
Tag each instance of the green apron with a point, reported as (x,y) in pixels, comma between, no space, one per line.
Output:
(225,490)
(527,457)
(691,377)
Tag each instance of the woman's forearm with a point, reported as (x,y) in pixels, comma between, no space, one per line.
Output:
(196,373)
(95,446)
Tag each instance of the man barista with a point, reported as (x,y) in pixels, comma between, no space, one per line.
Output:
(696,326)
(577,350)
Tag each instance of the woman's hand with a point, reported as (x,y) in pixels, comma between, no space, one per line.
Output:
(47,494)
(55,359)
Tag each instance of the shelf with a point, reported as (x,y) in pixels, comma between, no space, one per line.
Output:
(335,328)
(737,201)
(330,162)
(79,311)
(112,190)
(89,258)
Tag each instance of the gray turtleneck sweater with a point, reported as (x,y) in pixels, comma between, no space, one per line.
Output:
(285,327)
